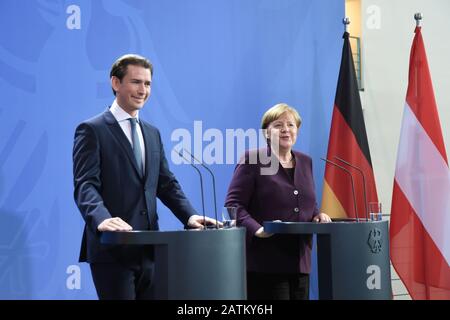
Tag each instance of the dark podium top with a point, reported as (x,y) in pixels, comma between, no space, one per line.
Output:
(193,264)
(353,257)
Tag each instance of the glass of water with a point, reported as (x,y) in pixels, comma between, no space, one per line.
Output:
(375,211)
(229,217)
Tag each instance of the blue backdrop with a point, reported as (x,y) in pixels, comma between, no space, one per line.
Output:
(222,62)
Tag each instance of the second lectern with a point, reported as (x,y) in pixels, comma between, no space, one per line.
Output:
(352,257)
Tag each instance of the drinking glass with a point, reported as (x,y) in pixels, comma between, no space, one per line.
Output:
(375,211)
(229,217)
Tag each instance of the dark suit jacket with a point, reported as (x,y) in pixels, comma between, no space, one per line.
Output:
(262,198)
(107,184)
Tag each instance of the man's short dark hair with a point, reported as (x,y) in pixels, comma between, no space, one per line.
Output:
(119,68)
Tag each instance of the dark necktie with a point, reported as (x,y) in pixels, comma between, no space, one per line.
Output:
(136,145)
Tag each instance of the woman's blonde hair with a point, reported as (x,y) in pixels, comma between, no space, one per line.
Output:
(276,111)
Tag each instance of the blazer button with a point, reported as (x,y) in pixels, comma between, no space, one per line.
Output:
(296,210)
(143,212)
(295,192)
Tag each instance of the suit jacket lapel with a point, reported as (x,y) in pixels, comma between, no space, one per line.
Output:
(121,137)
(298,173)
(150,148)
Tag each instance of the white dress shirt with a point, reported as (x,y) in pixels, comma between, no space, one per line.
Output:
(122,118)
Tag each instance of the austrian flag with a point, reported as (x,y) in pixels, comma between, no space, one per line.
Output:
(420,213)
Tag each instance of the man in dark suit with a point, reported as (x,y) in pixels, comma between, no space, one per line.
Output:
(119,169)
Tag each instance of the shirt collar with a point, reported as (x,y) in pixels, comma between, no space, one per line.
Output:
(119,113)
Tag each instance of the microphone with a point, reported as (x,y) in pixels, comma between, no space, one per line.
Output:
(213,184)
(364,182)
(351,179)
(180,153)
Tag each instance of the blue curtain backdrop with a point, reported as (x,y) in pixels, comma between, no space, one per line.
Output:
(222,62)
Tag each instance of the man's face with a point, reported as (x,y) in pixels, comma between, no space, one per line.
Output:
(134,89)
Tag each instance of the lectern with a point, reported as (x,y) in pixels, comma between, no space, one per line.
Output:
(193,264)
(352,257)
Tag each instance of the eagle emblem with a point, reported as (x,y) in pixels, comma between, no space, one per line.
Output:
(375,242)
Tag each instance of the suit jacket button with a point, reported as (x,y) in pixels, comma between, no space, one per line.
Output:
(144,212)
(296,209)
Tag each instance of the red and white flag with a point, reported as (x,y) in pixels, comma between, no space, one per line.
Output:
(420,213)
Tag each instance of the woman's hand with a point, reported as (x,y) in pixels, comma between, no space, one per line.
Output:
(260,233)
(321,218)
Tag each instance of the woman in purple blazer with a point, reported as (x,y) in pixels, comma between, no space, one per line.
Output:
(278,266)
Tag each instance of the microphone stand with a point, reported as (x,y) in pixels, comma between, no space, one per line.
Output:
(351,180)
(364,183)
(180,153)
(213,181)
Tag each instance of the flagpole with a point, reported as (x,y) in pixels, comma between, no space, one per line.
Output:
(418,17)
(346,22)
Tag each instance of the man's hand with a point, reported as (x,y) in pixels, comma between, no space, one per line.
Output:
(197,222)
(321,218)
(114,224)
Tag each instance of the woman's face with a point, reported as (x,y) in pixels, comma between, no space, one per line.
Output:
(283,131)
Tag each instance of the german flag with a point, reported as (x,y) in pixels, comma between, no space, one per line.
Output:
(348,141)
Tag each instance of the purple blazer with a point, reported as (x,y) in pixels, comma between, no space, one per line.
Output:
(260,198)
